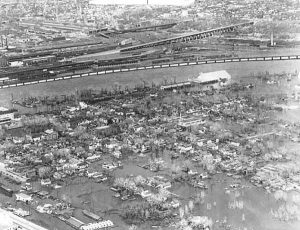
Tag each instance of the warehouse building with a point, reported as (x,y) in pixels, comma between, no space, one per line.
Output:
(221,77)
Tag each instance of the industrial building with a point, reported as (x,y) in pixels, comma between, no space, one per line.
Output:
(221,76)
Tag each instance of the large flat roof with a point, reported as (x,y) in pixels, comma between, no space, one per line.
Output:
(212,76)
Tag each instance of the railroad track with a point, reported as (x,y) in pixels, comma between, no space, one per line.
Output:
(9,84)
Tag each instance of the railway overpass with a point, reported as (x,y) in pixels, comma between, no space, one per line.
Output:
(187,37)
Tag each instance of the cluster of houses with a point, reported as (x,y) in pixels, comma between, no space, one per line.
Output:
(186,127)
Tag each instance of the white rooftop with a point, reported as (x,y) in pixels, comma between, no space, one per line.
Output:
(212,76)
(23,195)
(102,127)
(3,109)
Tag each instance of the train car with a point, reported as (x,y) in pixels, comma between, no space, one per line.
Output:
(159,61)
(3,79)
(27,75)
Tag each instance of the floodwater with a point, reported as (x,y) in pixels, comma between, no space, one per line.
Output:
(257,204)
(255,213)
(131,79)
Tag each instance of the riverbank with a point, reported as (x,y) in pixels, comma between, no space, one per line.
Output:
(130,79)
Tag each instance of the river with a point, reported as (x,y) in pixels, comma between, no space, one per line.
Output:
(131,79)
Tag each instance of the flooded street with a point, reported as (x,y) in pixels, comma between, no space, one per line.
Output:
(244,207)
(253,213)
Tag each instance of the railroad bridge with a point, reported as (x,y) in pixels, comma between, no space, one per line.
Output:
(187,37)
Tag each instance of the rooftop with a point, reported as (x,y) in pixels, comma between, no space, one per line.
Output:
(102,127)
(3,109)
(212,76)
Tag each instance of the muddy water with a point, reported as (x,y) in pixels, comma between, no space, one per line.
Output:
(255,213)
(130,79)
(257,203)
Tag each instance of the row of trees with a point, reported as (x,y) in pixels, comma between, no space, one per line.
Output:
(141,211)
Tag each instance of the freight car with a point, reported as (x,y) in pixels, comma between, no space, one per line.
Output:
(163,60)
(26,75)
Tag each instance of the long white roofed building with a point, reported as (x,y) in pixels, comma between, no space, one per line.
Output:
(221,76)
